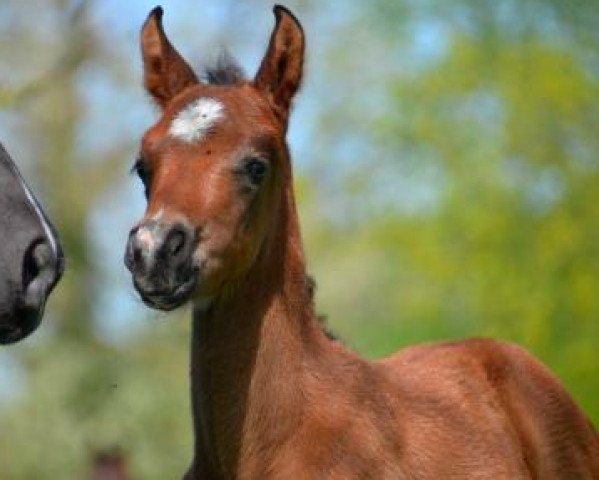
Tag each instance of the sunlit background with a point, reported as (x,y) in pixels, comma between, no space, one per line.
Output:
(447,169)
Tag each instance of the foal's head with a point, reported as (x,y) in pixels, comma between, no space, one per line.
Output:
(212,166)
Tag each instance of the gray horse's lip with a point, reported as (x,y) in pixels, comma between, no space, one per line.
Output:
(30,310)
(9,334)
(27,320)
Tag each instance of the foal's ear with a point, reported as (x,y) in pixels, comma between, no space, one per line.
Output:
(166,73)
(280,72)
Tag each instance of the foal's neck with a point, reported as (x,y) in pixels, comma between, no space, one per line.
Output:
(248,354)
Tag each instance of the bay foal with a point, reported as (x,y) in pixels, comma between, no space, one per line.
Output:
(273,397)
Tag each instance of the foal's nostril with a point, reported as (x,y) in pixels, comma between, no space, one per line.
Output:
(137,254)
(132,250)
(175,242)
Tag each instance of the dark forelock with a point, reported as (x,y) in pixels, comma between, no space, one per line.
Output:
(225,71)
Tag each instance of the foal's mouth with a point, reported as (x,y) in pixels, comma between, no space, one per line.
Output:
(168,300)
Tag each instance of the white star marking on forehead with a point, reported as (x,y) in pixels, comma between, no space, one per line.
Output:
(195,120)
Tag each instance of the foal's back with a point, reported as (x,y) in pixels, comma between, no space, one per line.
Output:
(487,409)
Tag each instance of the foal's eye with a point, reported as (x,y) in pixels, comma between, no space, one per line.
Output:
(142,172)
(256,169)
(140,169)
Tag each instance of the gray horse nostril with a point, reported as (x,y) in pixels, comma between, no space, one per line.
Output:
(38,259)
(41,271)
(30,266)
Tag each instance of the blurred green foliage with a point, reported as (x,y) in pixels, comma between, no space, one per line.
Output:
(452,190)
(497,135)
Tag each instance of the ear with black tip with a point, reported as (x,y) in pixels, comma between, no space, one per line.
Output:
(166,73)
(280,72)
